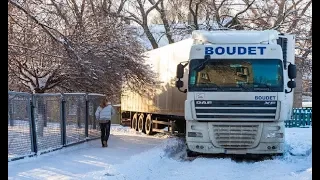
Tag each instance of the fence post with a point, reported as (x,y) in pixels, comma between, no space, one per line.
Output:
(45,114)
(33,136)
(94,125)
(10,108)
(87,117)
(78,112)
(63,120)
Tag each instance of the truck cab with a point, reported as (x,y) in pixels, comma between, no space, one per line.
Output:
(239,91)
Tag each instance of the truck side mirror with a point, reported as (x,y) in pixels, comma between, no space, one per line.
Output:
(291,84)
(179,84)
(180,71)
(292,71)
(292,74)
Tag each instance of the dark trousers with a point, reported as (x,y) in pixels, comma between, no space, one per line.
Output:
(105,131)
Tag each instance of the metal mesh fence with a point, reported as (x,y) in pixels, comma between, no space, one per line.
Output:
(19,136)
(75,112)
(44,122)
(47,121)
(93,125)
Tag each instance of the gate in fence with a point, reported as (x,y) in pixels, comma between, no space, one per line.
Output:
(39,123)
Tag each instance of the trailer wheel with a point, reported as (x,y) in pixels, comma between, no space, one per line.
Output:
(135,122)
(141,123)
(148,125)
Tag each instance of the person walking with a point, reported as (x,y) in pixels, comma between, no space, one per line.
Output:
(103,114)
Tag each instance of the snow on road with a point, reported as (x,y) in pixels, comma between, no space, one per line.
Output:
(76,161)
(135,156)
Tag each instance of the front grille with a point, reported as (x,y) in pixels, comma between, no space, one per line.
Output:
(236,110)
(235,136)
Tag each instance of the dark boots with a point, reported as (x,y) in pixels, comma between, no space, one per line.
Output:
(105,133)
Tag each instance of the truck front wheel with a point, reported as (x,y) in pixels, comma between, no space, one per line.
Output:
(191,153)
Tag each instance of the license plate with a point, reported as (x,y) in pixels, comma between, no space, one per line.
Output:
(234,151)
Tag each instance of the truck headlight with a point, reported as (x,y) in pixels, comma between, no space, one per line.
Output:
(195,134)
(274,135)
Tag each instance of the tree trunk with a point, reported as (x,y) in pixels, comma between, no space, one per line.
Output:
(297,102)
(167,28)
(165,23)
(150,37)
(41,117)
(297,96)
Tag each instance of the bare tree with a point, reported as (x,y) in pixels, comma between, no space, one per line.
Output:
(163,16)
(35,60)
(88,50)
(194,11)
(138,13)
(290,17)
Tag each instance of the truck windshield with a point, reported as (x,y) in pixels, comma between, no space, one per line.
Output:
(236,75)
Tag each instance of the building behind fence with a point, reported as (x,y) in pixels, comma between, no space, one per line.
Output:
(43,122)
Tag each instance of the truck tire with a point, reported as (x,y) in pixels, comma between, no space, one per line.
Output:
(191,153)
(141,123)
(148,125)
(135,122)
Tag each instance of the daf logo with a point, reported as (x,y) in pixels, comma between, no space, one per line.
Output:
(203,102)
(269,103)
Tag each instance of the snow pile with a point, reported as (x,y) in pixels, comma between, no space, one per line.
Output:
(175,149)
(118,129)
(162,163)
(122,130)
(299,140)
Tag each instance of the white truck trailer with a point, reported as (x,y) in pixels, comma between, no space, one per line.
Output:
(163,106)
(238,92)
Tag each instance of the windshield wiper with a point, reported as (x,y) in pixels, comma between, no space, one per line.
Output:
(242,86)
(261,84)
(210,86)
(237,87)
(206,59)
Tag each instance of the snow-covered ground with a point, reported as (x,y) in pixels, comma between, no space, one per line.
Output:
(132,155)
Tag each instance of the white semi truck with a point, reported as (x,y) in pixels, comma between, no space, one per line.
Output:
(239,91)
(236,97)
